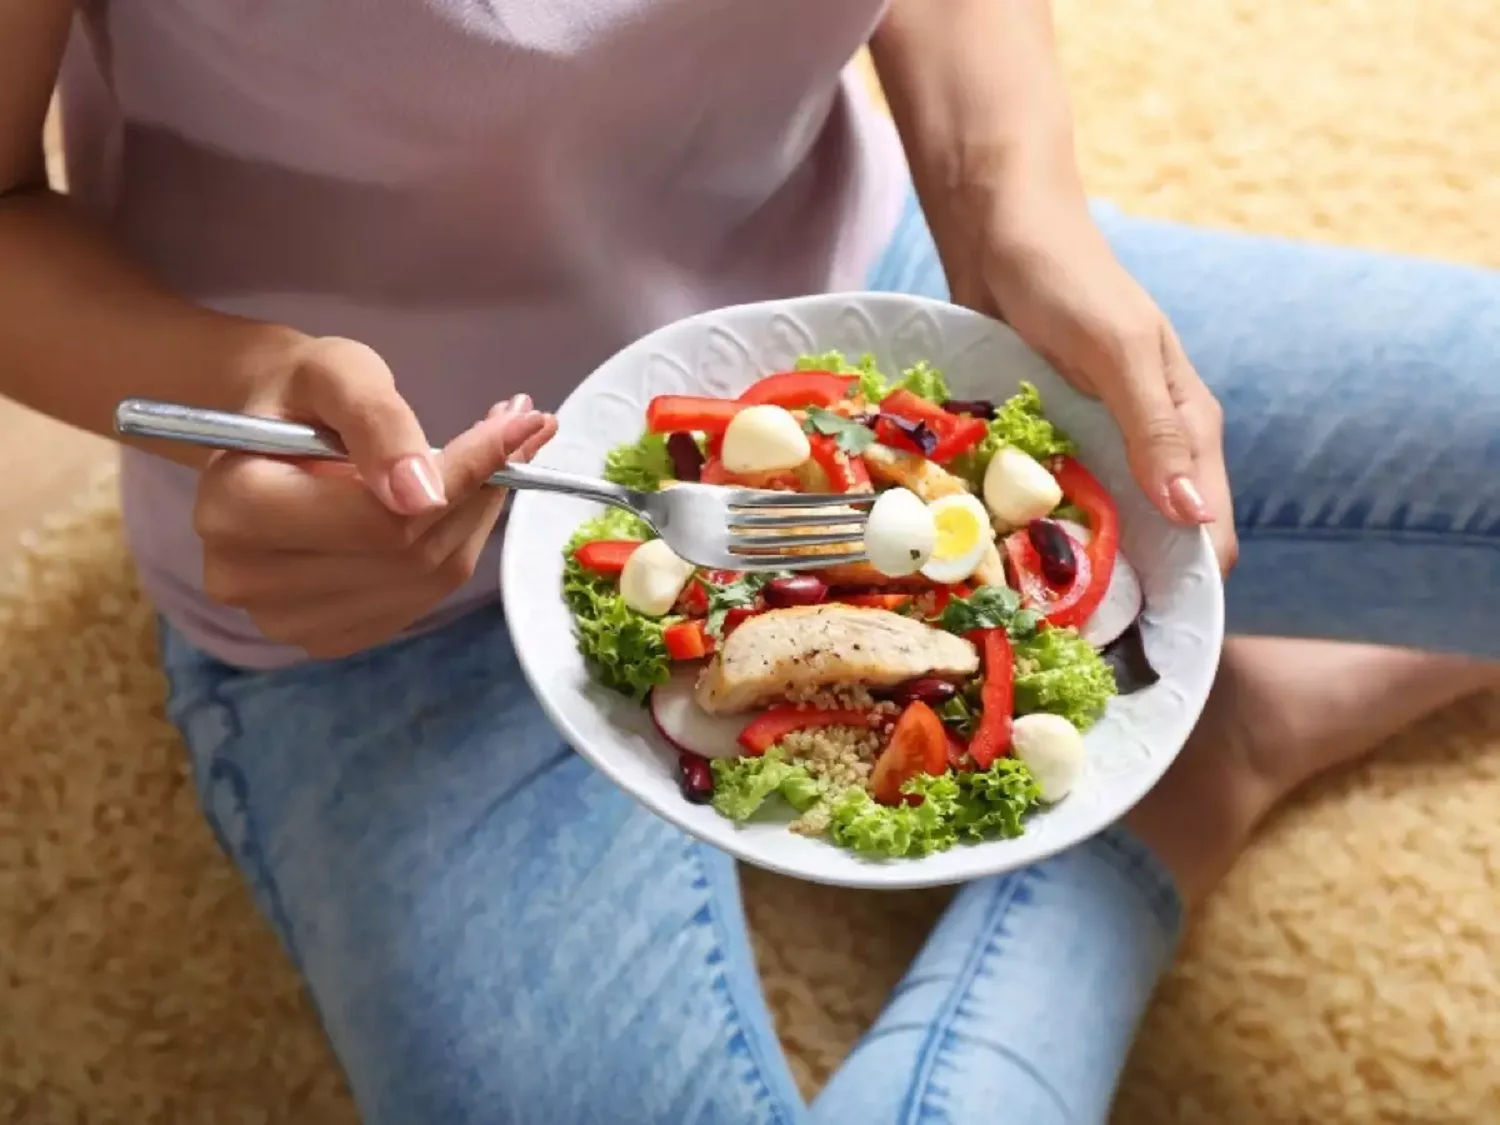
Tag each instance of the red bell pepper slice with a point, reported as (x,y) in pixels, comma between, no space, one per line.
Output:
(667,414)
(770,727)
(795,390)
(843,473)
(955,433)
(694,600)
(1096,561)
(958,751)
(605,556)
(996,699)
(688,640)
(919,744)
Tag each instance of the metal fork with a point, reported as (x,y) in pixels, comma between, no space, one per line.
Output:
(708,525)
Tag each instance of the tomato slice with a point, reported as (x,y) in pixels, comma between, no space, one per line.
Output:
(919,744)
(996,699)
(667,414)
(605,556)
(770,727)
(843,473)
(688,640)
(797,389)
(1071,606)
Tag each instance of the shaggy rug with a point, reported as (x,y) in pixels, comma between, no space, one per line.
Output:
(1343,974)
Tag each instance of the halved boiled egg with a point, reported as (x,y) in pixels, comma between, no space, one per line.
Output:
(963,535)
(900,534)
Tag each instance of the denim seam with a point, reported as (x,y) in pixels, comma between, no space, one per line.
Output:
(1137,865)
(1396,536)
(755,1077)
(940,1036)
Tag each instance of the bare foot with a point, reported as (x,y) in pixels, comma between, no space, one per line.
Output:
(1281,712)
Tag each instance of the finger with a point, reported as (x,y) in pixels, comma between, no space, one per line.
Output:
(348,387)
(336,627)
(1157,442)
(468,461)
(246,502)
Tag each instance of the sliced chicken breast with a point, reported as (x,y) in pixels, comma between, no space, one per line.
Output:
(789,651)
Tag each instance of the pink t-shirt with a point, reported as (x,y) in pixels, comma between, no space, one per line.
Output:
(495,195)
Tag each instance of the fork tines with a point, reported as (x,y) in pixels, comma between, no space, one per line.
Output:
(813,519)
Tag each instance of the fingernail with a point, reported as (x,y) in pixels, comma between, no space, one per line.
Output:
(521,404)
(1187,500)
(416,485)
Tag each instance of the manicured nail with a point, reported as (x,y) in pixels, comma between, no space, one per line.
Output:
(521,404)
(416,485)
(1188,500)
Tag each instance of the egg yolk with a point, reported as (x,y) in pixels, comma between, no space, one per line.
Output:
(957,531)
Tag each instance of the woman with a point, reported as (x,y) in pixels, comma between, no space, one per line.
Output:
(403,218)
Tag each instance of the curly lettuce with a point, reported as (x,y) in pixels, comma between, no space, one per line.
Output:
(743,785)
(1060,672)
(641,465)
(921,379)
(625,650)
(1019,422)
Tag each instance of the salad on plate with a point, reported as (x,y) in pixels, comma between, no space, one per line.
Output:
(935,693)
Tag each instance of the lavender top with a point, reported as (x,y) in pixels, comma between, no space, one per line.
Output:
(495,196)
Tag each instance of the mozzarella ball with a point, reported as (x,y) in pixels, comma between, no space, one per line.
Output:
(764,439)
(900,533)
(1018,488)
(1052,749)
(653,578)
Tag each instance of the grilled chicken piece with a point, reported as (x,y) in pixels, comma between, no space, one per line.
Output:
(810,647)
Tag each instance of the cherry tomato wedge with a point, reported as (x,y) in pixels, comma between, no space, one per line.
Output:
(772,726)
(605,556)
(797,389)
(667,414)
(843,473)
(919,744)
(996,699)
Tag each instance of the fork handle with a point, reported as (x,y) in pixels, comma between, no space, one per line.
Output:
(273,437)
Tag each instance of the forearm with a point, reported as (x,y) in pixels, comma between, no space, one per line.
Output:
(81,327)
(978,95)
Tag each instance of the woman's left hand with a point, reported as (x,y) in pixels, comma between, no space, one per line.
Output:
(1046,269)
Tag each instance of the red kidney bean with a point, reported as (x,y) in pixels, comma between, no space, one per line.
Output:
(926,689)
(799,589)
(687,458)
(978,407)
(1055,550)
(695,778)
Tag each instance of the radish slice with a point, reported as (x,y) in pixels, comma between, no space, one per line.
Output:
(684,724)
(1123,601)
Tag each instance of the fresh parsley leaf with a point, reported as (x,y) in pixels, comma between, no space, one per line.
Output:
(739,594)
(989,607)
(852,437)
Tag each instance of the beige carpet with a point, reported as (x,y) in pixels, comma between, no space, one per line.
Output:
(1346,972)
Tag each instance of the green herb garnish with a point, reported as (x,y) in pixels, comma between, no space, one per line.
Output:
(852,437)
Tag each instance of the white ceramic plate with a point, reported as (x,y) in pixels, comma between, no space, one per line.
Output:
(722,352)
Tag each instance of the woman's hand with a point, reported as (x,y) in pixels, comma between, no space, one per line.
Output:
(336,558)
(1047,271)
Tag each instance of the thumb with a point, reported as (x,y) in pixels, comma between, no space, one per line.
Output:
(349,388)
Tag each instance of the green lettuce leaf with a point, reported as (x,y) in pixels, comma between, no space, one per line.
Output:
(642,465)
(743,785)
(925,381)
(626,651)
(1060,672)
(1018,422)
(872,384)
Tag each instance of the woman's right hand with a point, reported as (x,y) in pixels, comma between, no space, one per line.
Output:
(336,558)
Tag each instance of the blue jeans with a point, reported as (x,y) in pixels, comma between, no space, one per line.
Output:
(493,933)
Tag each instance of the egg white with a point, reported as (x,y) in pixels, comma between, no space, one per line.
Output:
(963,533)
